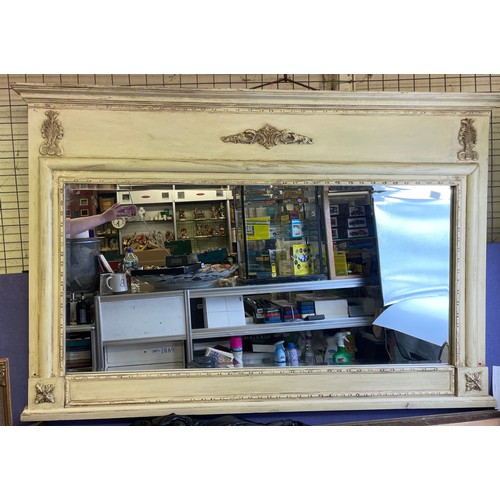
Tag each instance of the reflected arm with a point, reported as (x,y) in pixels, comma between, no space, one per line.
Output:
(81,224)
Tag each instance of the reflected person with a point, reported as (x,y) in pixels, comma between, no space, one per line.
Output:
(75,227)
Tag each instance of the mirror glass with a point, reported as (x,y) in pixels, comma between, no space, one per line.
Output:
(227,275)
(414,235)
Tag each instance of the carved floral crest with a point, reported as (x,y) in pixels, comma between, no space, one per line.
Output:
(44,393)
(268,136)
(467,138)
(473,381)
(52,132)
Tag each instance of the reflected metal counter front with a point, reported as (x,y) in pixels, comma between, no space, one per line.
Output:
(140,331)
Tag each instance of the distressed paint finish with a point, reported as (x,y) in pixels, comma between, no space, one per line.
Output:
(148,136)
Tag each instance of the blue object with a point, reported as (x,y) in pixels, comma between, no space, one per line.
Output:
(279,354)
(292,355)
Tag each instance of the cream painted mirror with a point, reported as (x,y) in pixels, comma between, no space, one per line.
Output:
(93,135)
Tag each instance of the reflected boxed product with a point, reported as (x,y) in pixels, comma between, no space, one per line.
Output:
(296,228)
(340,262)
(220,312)
(258,228)
(354,222)
(180,260)
(302,259)
(263,263)
(338,221)
(339,209)
(152,257)
(327,304)
(179,247)
(223,358)
(360,211)
(358,233)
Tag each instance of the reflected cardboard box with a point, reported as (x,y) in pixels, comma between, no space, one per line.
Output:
(152,257)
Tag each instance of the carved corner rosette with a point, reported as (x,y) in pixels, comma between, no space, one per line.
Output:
(44,393)
(474,381)
(268,136)
(467,138)
(52,132)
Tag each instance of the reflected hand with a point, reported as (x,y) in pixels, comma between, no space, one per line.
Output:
(117,211)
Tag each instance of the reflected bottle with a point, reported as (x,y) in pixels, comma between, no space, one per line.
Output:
(309,357)
(129,264)
(68,311)
(130,261)
(279,354)
(83,311)
(292,357)
(72,309)
(236,346)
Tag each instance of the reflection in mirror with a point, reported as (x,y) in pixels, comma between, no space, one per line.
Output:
(256,276)
(414,231)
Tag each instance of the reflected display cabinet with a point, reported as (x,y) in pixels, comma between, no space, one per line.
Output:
(280,233)
(320,140)
(199,216)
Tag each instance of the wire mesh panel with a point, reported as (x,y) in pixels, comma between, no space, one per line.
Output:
(445,83)
(13,180)
(14,203)
(494,180)
(420,83)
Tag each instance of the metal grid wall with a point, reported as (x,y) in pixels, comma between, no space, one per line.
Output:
(445,83)
(14,203)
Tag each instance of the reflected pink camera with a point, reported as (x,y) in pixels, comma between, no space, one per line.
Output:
(129,211)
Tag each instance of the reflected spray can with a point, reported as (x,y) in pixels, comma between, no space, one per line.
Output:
(236,346)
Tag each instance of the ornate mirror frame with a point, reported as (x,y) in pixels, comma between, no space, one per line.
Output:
(100,135)
(5,398)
